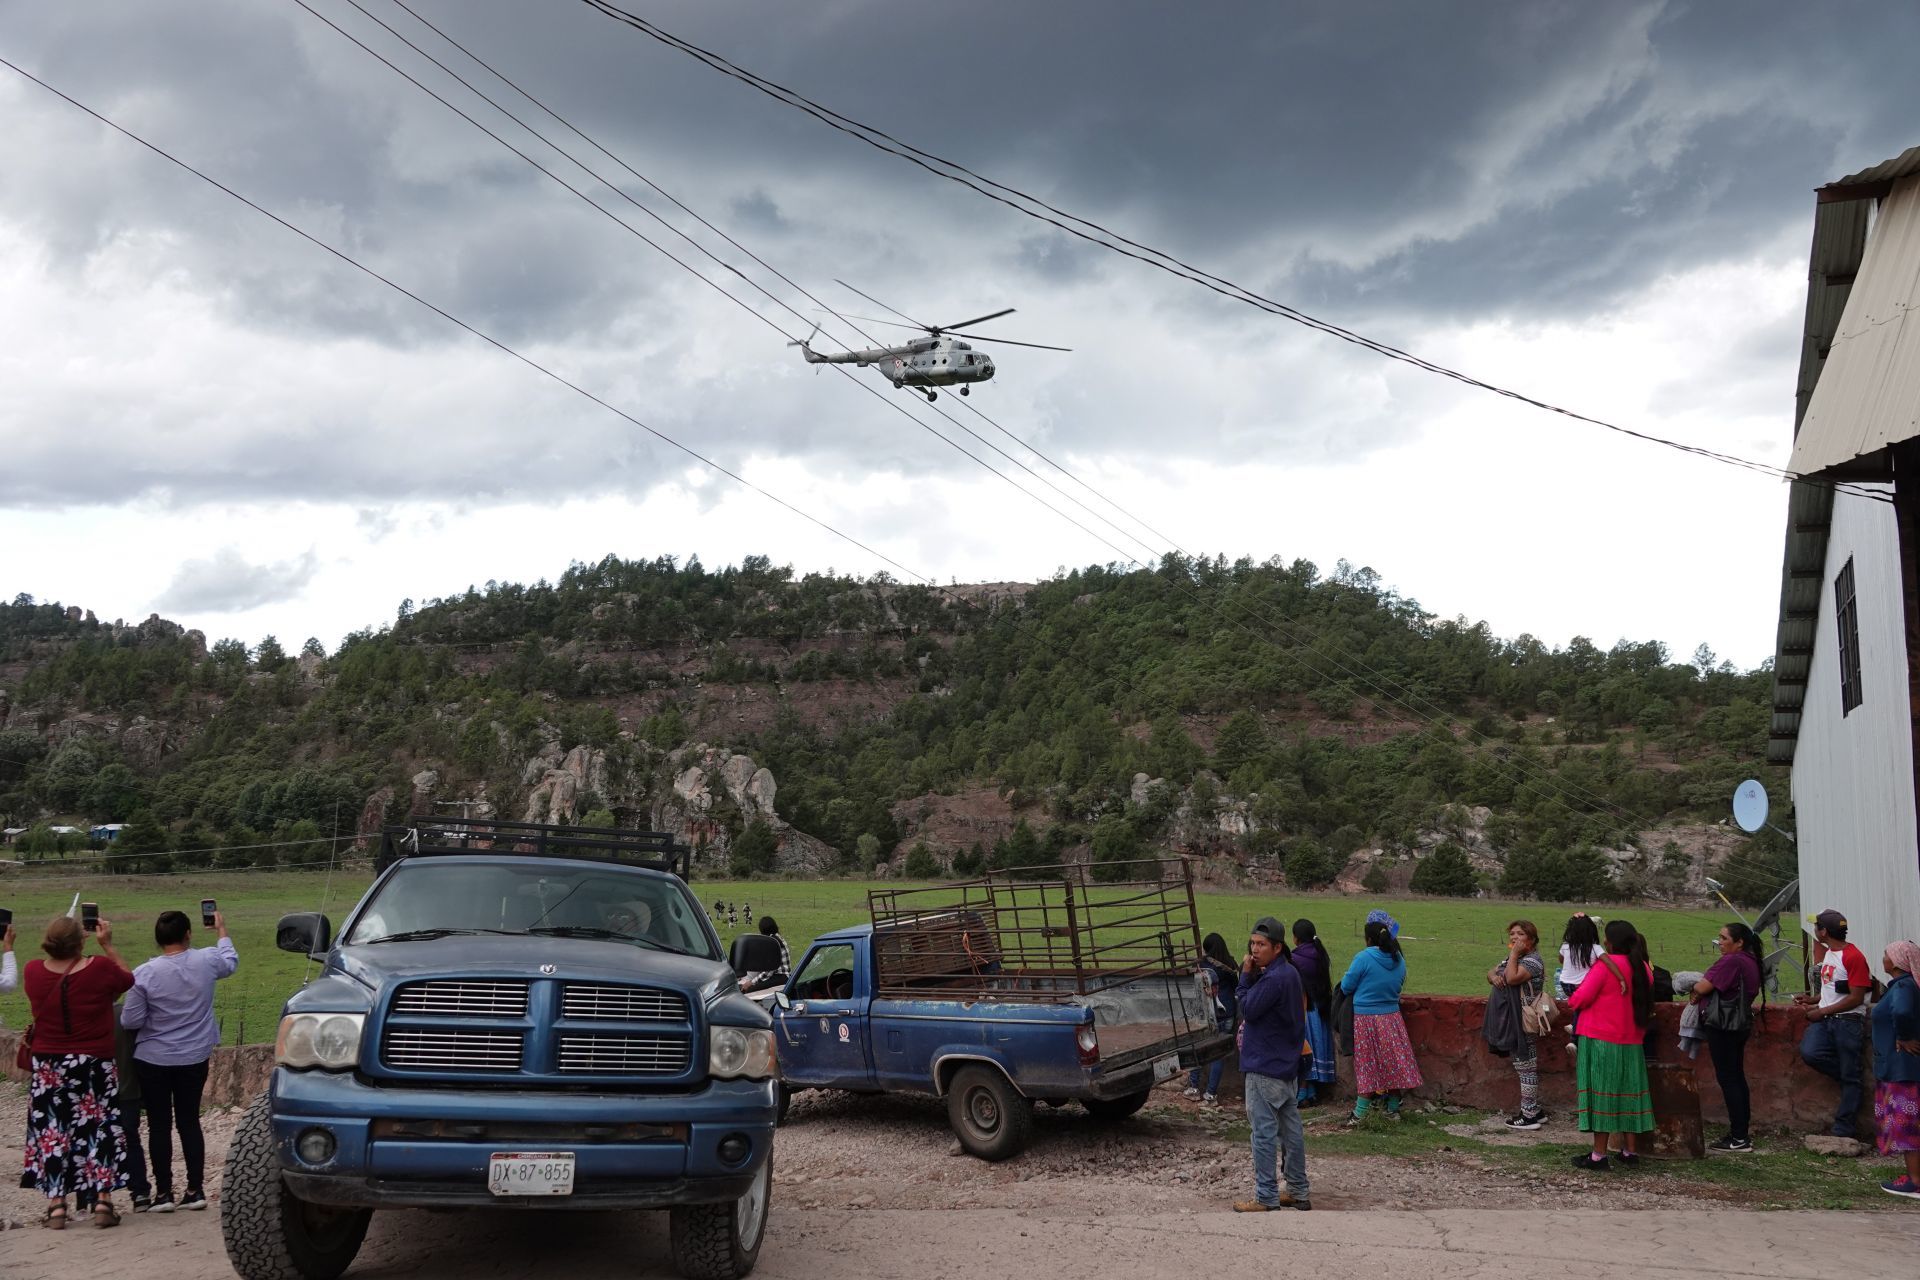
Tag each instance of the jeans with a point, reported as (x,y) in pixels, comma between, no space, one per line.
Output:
(172,1095)
(1832,1047)
(1213,1069)
(1728,1049)
(1274,1111)
(136,1158)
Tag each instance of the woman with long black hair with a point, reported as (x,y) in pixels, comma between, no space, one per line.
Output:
(1315,963)
(1383,1062)
(1216,962)
(1616,1003)
(1735,976)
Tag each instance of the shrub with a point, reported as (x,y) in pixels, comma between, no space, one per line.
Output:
(1446,872)
(920,863)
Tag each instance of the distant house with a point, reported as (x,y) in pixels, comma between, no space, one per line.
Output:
(1846,691)
(107,832)
(67,831)
(10,834)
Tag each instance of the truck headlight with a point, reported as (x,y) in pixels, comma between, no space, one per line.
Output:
(327,1040)
(736,1051)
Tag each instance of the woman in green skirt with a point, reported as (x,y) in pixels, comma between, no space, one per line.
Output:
(1616,1004)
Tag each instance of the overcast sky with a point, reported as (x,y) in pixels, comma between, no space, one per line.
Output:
(1605,205)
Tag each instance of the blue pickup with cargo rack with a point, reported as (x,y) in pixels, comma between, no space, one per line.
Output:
(514,1017)
(1053,985)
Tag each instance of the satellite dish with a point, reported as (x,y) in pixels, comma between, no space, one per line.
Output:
(1750,806)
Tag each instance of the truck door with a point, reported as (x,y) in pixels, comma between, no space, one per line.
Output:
(823,1029)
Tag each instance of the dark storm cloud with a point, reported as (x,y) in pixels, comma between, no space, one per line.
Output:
(1385,165)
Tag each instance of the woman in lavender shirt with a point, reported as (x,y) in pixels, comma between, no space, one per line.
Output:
(171,1006)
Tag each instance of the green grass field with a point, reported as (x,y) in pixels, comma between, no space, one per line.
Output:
(1450,943)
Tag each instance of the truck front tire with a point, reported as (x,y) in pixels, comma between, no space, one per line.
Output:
(991,1118)
(270,1233)
(722,1241)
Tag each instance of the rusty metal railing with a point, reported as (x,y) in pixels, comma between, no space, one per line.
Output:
(1047,933)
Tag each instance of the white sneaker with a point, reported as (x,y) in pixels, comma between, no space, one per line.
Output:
(1191,1094)
(1210,1100)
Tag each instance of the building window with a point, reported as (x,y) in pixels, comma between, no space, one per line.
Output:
(1846,615)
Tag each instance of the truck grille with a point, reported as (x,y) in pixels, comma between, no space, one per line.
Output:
(464,999)
(625,1055)
(585,1003)
(452,1050)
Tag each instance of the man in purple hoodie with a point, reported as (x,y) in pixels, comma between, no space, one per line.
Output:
(1273,1012)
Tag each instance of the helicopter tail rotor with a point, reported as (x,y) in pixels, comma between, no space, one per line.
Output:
(805,346)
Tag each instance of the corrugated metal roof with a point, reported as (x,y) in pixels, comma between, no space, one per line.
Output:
(1868,395)
(1842,214)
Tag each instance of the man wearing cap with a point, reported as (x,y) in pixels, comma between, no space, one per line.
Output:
(1836,1029)
(1273,1012)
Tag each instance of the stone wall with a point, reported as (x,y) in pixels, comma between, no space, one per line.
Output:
(1460,1070)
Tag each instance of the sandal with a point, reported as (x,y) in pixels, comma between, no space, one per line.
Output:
(105,1215)
(55,1218)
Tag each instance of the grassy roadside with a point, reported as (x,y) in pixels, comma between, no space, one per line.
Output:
(1781,1174)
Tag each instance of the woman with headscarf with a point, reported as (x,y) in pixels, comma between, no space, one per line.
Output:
(1896,1067)
(1383,1061)
(1315,963)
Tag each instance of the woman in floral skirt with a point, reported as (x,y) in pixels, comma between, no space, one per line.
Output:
(1383,1061)
(74,1140)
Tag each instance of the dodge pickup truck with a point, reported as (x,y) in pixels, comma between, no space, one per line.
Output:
(1043,986)
(514,1017)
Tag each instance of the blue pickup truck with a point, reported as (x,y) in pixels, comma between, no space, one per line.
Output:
(514,1017)
(1045,986)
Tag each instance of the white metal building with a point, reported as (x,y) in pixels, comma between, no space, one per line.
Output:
(1846,698)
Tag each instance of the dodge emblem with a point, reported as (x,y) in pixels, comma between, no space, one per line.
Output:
(546,968)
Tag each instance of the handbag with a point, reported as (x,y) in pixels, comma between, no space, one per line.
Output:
(1538,1015)
(1723,1012)
(23,1055)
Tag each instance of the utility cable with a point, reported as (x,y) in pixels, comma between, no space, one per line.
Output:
(1099,235)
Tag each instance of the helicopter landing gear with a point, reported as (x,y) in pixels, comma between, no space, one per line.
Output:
(963,391)
(930,395)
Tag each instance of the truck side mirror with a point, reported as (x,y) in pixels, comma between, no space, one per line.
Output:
(780,998)
(306,933)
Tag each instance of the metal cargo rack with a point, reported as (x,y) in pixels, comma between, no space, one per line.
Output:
(1042,934)
(423,836)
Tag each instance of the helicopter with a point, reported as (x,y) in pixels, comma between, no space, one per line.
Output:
(937,360)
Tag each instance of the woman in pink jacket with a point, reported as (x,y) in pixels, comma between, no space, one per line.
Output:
(1616,1003)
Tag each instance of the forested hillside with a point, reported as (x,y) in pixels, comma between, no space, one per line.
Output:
(1279,722)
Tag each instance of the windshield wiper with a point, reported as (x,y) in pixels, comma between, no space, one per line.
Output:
(611,935)
(423,935)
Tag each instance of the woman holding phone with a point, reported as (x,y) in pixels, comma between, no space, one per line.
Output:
(74,1140)
(171,1006)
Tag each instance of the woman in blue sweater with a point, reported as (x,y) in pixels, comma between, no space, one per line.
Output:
(1896,1066)
(1383,1062)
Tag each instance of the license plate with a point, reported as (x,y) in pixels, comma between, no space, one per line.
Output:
(530,1173)
(1166,1068)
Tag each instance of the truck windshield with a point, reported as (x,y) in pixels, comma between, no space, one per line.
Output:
(433,899)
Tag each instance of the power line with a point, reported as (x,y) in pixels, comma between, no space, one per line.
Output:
(1094,233)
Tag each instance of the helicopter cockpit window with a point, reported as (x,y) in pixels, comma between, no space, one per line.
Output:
(969,359)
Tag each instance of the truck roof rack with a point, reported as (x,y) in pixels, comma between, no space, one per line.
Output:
(426,836)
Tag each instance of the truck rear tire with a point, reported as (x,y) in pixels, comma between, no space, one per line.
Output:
(1110,1110)
(270,1233)
(991,1118)
(722,1241)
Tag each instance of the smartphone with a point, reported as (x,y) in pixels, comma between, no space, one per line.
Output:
(89,916)
(6,918)
(207,908)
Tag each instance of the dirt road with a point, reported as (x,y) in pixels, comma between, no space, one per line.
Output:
(867,1187)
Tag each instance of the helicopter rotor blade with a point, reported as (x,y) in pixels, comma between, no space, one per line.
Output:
(884,307)
(980,319)
(848,315)
(1006,342)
